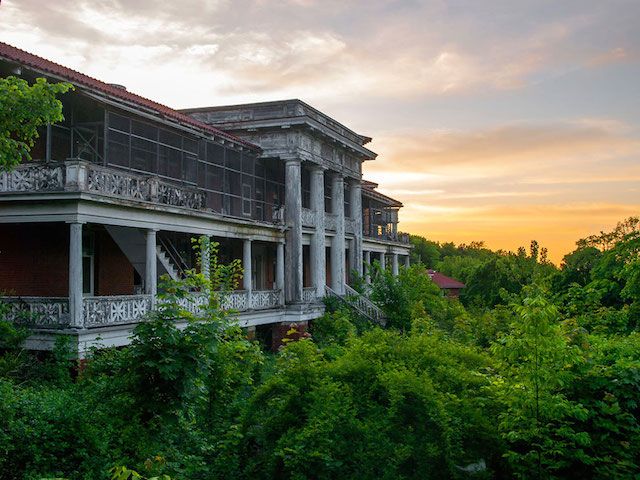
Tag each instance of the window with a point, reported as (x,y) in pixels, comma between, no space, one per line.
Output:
(246,199)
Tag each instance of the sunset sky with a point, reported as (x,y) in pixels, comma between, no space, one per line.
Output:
(495,120)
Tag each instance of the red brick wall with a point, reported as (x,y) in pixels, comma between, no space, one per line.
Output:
(280,331)
(34,259)
(114,273)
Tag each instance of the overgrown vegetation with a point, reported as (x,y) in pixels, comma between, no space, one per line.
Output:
(25,108)
(533,374)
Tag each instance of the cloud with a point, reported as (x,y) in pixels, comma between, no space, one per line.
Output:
(316,49)
(521,147)
(492,169)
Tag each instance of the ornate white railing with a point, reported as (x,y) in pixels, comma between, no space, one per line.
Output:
(330,221)
(80,176)
(238,300)
(308,217)
(194,303)
(53,312)
(168,194)
(33,177)
(349,225)
(265,299)
(114,310)
(44,312)
(108,181)
(309,294)
(122,184)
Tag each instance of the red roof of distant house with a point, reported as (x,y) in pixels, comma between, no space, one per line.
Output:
(445,282)
(81,80)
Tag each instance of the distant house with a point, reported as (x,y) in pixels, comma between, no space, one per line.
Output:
(450,286)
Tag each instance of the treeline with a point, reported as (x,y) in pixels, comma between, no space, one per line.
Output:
(534,374)
(598,283)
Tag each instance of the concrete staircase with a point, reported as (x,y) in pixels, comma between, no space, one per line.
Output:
(133,244)
(167,264)
(360,304)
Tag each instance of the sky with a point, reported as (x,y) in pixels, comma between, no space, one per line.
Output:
(495,120)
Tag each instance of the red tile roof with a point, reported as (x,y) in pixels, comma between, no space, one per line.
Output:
(78,79)
(445,282)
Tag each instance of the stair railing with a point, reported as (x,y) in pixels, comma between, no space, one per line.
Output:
(174,256)
(360,304)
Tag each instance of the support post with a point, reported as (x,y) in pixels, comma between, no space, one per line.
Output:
(246,266)
(280,269)
(338,245)
(317,249)
(383,262)
(367,271)
(355,194)
(205,256)
(394,264)
(407,261)
(293,218)
(151,266)
(75,275)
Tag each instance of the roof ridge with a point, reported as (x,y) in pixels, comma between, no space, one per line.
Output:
(73,76)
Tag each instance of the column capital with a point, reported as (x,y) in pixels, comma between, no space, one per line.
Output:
(316,168)
(292,162)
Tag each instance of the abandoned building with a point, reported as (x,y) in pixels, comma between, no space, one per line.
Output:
(116,192)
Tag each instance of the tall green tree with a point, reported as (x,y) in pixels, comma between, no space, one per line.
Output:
(23,109)
(538,419)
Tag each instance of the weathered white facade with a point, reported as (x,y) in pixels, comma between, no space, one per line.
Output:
(124,183)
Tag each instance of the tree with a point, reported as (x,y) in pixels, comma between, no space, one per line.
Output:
(538,421)
(23,109)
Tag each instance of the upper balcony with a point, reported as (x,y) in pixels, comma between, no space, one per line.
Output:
(81,176)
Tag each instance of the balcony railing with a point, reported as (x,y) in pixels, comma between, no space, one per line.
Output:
(330,221)
(309,294)
(308,217)
(115,310)
(80,176)
(45,312)
(53,312)
(400,237)
(350,225)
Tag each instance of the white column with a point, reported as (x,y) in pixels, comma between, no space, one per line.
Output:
(383,263)
(338,245)
(293,218)
(280,269)
(367,271)
(151,265)
(407,261)
(394,264)
(75,275)
(317,249)
(246,266)
(205,259)
(355,194)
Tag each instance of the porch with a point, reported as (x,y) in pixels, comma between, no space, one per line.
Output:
(62,276)
(53,313)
